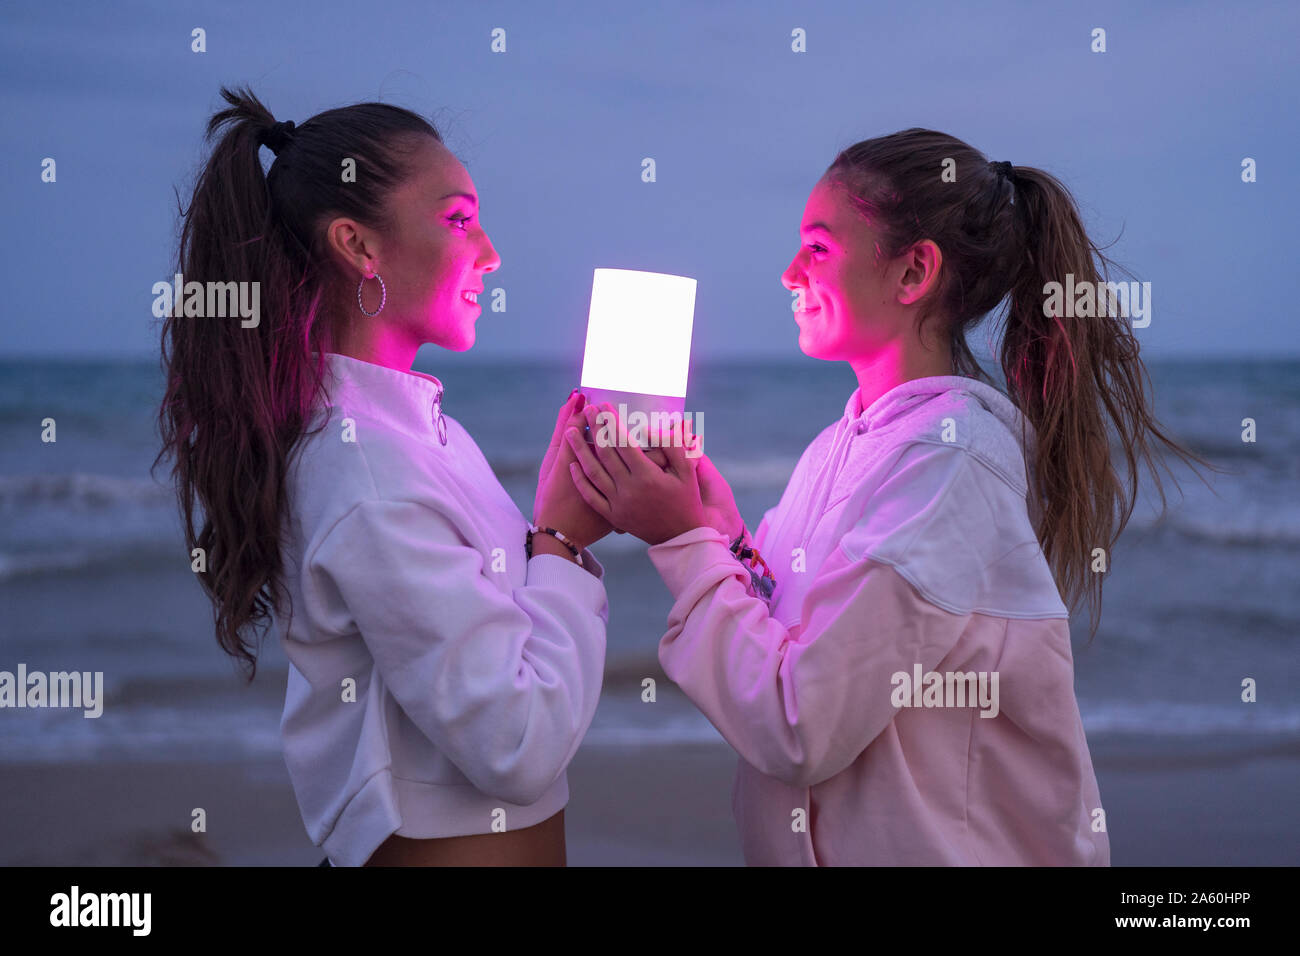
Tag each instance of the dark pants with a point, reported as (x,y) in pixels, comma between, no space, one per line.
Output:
(324,862)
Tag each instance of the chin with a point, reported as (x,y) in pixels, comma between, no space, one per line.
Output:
(813,349)
(461,342)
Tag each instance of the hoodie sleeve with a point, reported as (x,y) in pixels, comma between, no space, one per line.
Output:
(760,536)
(504,684)
(801,704)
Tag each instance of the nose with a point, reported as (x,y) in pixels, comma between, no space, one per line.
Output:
(489,261)
(792,278)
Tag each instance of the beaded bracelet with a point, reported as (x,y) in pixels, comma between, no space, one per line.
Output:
(747,555)
(534,529)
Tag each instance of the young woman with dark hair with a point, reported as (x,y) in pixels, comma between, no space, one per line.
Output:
(445,661)
(905,695)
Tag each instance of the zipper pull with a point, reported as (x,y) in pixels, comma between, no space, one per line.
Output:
(438,421)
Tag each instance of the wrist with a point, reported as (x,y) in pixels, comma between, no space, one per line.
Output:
(690,525)
(546,544)
(544,521)
(736,531)
(760,573)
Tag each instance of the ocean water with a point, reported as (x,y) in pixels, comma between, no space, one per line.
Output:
(94,575)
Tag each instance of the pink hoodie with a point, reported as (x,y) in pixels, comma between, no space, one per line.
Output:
(903,545)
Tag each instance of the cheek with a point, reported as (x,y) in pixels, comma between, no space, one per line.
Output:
(860,289)
(455,259)
(832,273)
(434,252)
(833,286)
(438,272)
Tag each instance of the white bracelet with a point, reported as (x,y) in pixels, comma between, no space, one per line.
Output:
(559,536)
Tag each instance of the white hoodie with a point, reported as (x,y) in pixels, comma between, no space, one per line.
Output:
(439,682)
(902,547)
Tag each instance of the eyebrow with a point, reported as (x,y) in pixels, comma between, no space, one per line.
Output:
(470,196)
(816,226)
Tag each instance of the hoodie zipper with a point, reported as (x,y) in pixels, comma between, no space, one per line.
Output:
(439,423)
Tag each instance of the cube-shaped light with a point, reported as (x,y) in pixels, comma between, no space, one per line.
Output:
(638,339)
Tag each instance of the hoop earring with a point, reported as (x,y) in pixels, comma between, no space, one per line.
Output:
(382,288)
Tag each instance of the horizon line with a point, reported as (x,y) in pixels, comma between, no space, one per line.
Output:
(469,359)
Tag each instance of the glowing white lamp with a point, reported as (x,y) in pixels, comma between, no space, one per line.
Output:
(638,340)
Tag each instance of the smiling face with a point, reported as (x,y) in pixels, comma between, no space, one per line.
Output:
(438,253)
(847,305)
(432,262)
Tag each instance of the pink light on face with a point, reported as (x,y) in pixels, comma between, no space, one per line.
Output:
(639,333)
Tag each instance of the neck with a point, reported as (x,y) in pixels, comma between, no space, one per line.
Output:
(884,370)
(377,343)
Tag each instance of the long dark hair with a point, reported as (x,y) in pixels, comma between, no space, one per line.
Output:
(1004,234)
(238,400)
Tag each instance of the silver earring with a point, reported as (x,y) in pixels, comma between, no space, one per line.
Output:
(382,288)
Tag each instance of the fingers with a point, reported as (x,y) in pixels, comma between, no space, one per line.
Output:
(678,463)
(635,458)
(656,454)
(602,421)
(577,420)
(573,406)
(675,443)
(594,499)
(705,468)
(693,443)
(593,470)
(575,403)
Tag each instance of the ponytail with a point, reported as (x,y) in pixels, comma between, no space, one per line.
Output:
(239,397)
(1072,377)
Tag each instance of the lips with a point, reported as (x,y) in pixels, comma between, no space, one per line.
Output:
(470,296)
(803,309)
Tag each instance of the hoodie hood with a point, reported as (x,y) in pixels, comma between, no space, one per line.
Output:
(996,430)
(978,417)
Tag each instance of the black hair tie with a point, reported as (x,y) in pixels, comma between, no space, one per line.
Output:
(277,136)
(1002,169)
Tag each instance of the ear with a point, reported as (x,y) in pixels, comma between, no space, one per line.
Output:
(348,243)
(920,276)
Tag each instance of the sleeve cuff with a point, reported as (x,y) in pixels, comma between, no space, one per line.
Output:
(551,570)
(700,552)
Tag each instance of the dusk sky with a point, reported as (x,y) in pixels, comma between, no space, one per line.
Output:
(1150,135)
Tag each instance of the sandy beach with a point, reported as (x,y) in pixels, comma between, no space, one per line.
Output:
(657,806)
